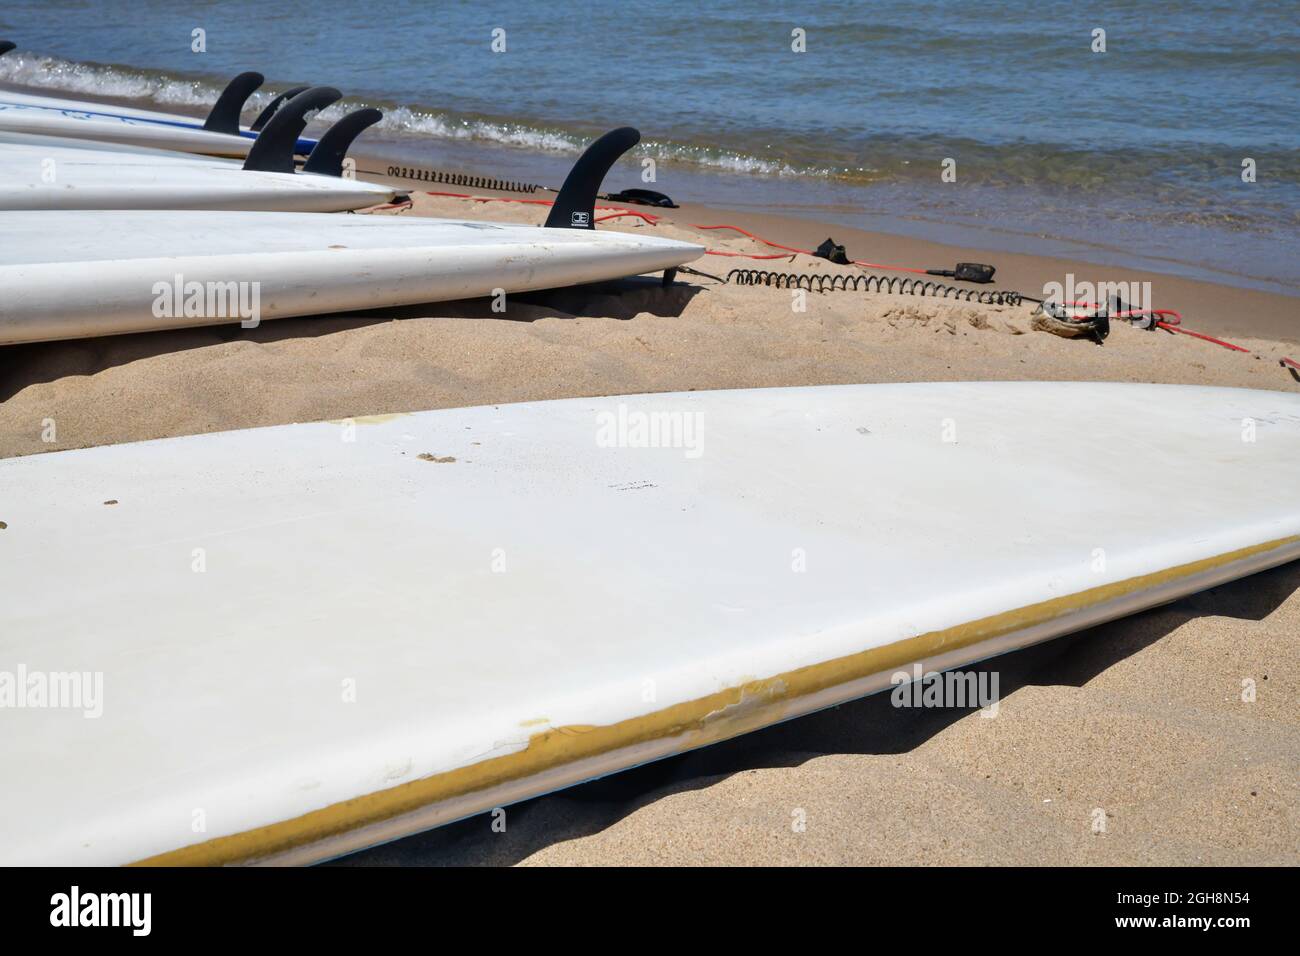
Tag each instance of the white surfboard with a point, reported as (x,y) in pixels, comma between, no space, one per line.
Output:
(72,274)
(314,638)
(56,116)
(46,172)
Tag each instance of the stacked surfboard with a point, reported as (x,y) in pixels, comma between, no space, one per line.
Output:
(219,134)
(125,220)
(50,172)
(64,154)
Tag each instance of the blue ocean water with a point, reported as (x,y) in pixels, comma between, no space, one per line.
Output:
(1132,154)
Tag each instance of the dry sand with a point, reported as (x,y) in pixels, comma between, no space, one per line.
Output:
(1141,720)
(621,338)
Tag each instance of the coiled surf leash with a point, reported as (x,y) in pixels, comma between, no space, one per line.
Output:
(1095,327)
(1057,321)
(637,197)
(899,285)
(440,178)
(1050,316)
(1055,317)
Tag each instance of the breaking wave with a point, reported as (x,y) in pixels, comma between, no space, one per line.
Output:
(155,89)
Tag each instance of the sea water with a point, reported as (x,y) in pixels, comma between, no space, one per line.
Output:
(1159,134)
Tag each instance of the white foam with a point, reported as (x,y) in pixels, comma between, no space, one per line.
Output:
(57,75)
(406,120)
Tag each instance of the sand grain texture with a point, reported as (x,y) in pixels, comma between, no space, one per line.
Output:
(620,338)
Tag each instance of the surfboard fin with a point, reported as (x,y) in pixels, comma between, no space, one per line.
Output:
(6,46)
(224,117)
(274,147)
(269,111)
(327,157)
(575,206)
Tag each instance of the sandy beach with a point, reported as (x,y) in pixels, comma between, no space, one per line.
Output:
(1140,721)
(624,338)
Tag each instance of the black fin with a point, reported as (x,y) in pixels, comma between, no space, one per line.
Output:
(575,206)
(274,147)
(6,46)
(327,157)
(224,117)
(274,105)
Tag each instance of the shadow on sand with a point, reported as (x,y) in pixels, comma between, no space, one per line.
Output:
(22,366)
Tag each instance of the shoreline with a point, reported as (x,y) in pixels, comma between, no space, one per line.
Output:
(793,206)
(1219,308)
(839,207)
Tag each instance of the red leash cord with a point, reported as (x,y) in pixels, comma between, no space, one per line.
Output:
(1171,324)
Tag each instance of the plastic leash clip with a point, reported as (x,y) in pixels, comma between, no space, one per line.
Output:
(966,272)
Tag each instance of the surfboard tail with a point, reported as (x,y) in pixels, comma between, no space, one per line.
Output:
(6,46)
(224,117)
(332,147)
(575,206)
(274,148)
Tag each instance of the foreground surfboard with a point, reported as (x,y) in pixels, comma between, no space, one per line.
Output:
(46,172)
(313,638)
